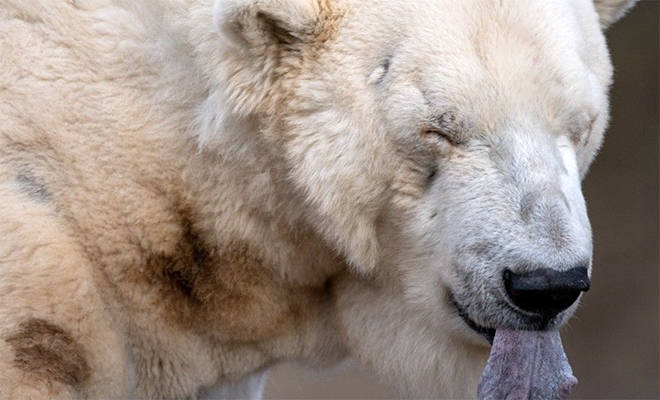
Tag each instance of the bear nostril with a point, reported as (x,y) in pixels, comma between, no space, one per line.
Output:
(544,290)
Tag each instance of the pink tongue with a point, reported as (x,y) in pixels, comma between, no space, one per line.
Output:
(526,365)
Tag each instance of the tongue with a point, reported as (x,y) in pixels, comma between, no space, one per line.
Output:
(526,365)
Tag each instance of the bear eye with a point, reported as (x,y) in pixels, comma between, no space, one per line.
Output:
(447,127)
(437,133)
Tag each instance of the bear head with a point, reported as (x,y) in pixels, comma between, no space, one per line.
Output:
(440,147)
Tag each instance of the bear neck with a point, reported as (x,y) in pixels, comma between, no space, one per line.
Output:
(244,224)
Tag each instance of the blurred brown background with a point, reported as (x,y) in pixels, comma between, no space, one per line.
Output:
(612,342)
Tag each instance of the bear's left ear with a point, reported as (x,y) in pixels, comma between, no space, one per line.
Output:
(258,25)
(256,43)
(610,11)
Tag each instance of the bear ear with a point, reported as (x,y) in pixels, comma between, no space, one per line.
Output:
(259,24)
(610,11)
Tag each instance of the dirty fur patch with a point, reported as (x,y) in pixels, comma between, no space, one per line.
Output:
(47,351)
(32,187)
(227,291)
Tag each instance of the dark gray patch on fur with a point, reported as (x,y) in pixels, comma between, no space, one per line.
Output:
(385,66)
(32,187)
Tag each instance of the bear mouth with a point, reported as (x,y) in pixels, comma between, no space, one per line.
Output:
(488,333)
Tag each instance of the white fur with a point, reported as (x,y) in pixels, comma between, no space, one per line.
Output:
(363,160)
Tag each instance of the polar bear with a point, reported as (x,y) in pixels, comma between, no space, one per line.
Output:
(194,191)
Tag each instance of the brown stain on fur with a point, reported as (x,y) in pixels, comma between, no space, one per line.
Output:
(49,352)
(225,292)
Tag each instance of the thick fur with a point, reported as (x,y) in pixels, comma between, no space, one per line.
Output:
(194,191)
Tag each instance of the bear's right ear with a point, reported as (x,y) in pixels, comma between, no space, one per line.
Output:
(262,25)
(610,11)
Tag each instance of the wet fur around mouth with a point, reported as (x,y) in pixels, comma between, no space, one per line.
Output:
(488,333)
(525,322)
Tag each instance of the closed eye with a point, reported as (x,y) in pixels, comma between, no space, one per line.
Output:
(448,127)
(442,135)
(582,128)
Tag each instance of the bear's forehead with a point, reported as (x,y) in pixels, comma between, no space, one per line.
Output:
(492,36)
(487,57)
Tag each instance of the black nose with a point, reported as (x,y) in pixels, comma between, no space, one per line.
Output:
(546,291)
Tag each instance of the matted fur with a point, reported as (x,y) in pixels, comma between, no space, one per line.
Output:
(193,191)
